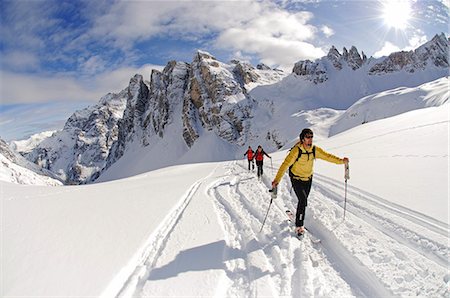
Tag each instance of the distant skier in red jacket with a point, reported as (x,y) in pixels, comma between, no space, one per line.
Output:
(259,156)
(250,154)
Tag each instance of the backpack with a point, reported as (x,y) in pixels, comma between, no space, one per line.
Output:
(291,175)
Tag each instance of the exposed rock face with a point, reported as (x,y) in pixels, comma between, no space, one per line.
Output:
(216,99)
(245,73)
(136,107)
(313,71)
(434,52)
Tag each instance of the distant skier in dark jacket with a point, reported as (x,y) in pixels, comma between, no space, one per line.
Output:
(250,154)
(259,157)
(300,160)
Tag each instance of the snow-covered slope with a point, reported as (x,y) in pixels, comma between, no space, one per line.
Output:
(16,169)
(393,102)
(194,230)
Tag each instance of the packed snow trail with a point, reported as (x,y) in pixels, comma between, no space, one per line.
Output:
(213,239)
(386,238)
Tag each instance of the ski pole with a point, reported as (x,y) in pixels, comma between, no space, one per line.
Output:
(347,176)
(273,192)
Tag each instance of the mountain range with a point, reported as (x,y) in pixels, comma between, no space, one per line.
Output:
(227,106)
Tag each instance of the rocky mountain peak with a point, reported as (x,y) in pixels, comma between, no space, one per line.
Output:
(335,57)
(354,60)
(433,53)
(317,72)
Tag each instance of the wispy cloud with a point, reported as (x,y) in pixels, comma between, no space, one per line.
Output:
(21,60)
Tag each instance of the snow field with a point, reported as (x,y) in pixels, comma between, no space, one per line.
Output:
(194,230)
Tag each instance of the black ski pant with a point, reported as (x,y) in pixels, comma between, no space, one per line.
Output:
(259,164)
(251,162)
(301,189)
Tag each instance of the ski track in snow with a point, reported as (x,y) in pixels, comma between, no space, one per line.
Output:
(415,243)
(155,245)
(382,240)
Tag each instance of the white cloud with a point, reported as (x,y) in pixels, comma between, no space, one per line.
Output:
(327,31)
(387,49)
(277,37)
(29,88)
(127,22)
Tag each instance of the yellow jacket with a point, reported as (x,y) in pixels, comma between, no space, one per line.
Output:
(303,168)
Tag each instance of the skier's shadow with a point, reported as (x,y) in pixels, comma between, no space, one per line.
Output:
(205,257)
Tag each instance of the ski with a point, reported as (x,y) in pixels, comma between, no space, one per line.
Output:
(313,239)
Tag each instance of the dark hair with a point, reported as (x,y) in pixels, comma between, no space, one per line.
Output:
(305,131)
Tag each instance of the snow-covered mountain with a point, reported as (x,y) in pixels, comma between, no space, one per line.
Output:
(339,80)
(178,105)
(224,107)
(433,53)
(78,152)
(16,169)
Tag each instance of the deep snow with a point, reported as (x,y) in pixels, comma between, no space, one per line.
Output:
(193,230)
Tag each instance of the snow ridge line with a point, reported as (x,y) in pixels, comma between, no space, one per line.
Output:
(130,280)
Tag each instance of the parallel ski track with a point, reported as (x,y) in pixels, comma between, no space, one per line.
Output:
(393,220)
(241,221)
(154,246)
(363,282)
(292,261)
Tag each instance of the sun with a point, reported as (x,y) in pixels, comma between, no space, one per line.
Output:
(397,13)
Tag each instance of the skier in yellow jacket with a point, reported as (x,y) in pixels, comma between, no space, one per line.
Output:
(301,161)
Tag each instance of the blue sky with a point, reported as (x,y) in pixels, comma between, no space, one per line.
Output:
(64,55)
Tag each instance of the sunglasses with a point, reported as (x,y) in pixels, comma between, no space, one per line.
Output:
(309,137)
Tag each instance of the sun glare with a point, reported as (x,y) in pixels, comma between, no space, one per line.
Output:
(396,13)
